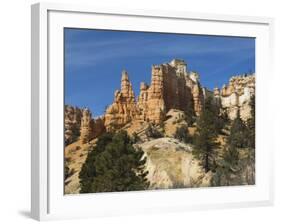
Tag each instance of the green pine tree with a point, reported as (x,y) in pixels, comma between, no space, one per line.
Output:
(227,165)
(238,133)
(114,165)
(205,139)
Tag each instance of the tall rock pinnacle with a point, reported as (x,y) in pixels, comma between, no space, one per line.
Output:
(126,88)
(86,126)
(124,107)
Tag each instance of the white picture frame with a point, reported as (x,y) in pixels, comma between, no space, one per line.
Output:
(48,201)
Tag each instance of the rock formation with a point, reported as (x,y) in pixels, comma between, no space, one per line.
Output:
(90,128)
(235,97)
(72,122)
(123,109)
(172,87)
(86,126)
(197,93)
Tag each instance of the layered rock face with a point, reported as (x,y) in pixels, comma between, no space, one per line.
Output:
(236,96)
(72,123)
(172,87)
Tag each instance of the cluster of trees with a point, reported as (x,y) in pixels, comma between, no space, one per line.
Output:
(114,165)
(241,137)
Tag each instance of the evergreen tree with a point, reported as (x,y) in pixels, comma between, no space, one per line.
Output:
(230,157)
(205,139)
(113,165)
(214,111)
(238,134)
(227,166)
(189,115)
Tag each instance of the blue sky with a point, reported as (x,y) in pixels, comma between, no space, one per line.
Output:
(94,60)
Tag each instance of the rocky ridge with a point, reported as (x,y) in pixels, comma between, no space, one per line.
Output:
(172,87)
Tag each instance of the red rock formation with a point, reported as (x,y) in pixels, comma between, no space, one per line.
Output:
(124,107)
(171,88)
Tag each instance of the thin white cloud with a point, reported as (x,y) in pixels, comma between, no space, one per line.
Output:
(91,53)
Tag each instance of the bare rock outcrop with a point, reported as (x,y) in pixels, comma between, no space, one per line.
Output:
(170,164)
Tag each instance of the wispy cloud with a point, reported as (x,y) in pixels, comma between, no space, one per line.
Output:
(91,52)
